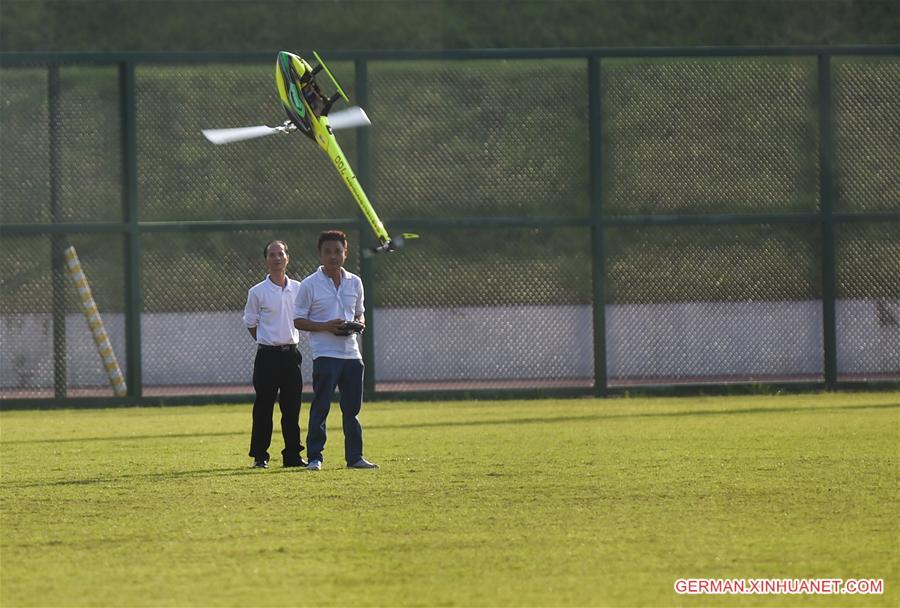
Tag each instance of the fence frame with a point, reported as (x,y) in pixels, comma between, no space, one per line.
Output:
(131,228)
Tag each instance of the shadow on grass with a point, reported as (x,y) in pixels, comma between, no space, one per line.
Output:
(232,471)
(496,422)
(157,476)
(555,419)
(129,437)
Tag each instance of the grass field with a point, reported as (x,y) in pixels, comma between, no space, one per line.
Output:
(532,503)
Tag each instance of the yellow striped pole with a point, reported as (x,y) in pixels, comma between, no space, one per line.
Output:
(95,323)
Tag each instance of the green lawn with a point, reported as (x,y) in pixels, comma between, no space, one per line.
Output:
(535,503)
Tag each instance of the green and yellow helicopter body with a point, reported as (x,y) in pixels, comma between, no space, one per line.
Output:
(307,108)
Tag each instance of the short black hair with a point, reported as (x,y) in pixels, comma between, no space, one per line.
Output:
(270,243)
(332,235)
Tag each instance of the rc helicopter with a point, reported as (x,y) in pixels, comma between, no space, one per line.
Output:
(309,111)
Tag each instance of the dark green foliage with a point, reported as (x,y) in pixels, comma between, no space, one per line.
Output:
(480,138)
(241,25)
(868,260)
(489,268)
(710,135)
(867,134)
(712,263)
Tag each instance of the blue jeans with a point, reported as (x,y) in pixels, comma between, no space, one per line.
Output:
(347,375)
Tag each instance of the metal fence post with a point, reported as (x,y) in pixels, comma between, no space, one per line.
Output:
(597,264)
(829,336)
(130,218)
(366,267)
(57,241)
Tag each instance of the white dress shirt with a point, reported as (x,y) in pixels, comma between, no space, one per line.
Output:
(270,309)
(320,301)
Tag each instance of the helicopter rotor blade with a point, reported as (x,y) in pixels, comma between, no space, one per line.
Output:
(348,119)
(226,136)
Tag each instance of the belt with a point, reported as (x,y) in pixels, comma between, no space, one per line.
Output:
(278,347)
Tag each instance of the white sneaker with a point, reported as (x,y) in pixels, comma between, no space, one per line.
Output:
(362,463)
(314,465)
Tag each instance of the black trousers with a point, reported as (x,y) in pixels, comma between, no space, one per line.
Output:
(276,375)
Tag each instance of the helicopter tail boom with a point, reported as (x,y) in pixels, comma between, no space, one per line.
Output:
(346,172)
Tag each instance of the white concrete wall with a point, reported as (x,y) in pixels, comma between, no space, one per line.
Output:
(483,343)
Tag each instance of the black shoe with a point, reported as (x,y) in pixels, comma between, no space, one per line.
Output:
(260,464)
(296,463)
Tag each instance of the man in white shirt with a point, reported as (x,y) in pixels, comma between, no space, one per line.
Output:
(268,316)
(327,300)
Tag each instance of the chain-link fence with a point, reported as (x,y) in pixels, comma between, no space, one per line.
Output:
(590,220)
